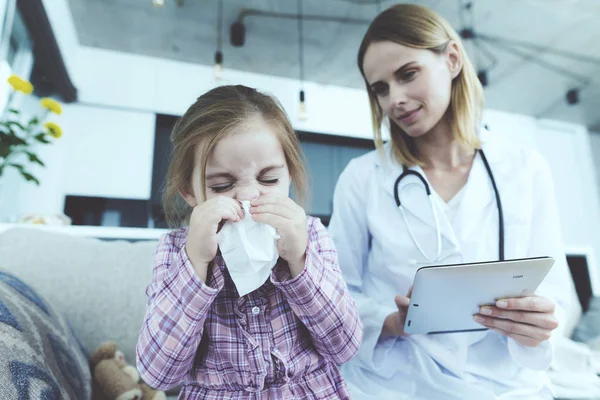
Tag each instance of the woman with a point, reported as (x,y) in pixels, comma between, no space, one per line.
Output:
(420,80)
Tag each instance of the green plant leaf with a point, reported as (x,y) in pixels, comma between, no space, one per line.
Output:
(12,110)
(18,166)
(15,123)
(34,159)
(34,121)
(41,137)
(29,178)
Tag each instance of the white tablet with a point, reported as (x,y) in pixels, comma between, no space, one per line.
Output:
(445,297)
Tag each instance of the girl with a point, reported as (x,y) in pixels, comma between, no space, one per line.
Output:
(419,79)
(281,341)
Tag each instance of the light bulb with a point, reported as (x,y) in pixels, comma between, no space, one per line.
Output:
(302,113)
(218,70)
(158,3)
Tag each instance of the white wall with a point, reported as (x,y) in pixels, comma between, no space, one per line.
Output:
(568,149)
(110,152)
(2,9)
(516,127)
(595,147)
(170,87)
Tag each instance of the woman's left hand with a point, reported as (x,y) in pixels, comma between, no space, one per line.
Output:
(289,220)
(528,320)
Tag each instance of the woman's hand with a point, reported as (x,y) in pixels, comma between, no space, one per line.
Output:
(394,323)
(289,220)
(528,320)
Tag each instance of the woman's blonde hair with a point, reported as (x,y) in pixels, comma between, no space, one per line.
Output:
(418,27)
(214,115)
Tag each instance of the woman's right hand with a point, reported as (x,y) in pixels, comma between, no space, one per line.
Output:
(205,222)
(393,325)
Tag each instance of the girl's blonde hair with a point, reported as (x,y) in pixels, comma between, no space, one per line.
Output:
(214,115)
(418,27)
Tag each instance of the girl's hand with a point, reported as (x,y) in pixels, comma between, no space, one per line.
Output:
(529,320)
(289,220)
(206,221)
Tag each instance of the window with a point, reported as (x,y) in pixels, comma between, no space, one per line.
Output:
(16,56)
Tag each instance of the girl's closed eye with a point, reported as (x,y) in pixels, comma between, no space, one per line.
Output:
(269,181)
(221,187)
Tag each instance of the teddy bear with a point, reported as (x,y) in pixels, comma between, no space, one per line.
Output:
(114,379)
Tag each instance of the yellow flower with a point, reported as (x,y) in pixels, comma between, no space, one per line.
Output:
(20,84)
(54,129)
(52,105)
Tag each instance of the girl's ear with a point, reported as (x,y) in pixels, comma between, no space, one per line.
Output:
(188,196)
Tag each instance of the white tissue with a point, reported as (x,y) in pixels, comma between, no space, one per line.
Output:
(249,249)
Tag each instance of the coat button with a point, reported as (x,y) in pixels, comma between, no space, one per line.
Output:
(255,310)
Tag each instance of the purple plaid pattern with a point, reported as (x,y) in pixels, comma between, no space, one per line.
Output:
(282,341)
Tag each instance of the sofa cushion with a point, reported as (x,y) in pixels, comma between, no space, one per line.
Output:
(39,355)
(98,285)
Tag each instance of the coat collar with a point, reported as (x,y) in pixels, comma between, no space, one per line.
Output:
(478,199)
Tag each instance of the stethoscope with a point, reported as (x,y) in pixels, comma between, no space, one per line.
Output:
(406,172)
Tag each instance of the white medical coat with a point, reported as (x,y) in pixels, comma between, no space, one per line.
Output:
(379,259)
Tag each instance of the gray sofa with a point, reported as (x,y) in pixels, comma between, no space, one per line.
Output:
(97,285)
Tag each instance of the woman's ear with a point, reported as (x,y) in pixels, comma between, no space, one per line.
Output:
(454,58)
